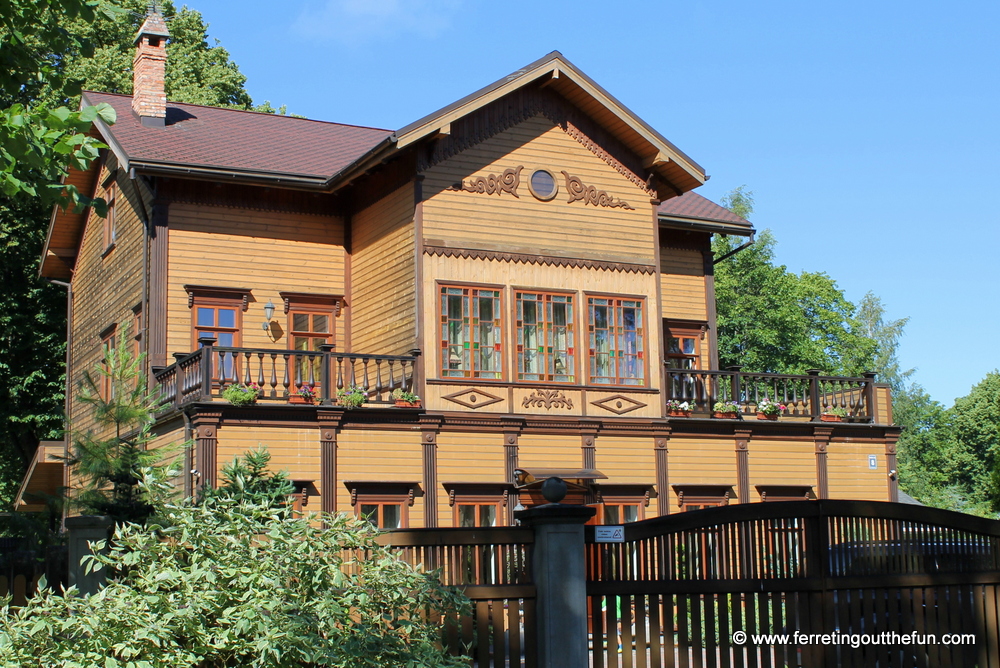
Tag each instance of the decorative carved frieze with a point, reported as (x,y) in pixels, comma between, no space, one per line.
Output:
(506,182)
(618,404)
(472,398)
(577,191)
(539,259)
(547,399)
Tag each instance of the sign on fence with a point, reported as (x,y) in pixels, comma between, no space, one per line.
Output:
(609,534)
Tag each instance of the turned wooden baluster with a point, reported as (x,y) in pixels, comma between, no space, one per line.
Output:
(274,375)
(260,370)
(285,380)
(392,376)
(378,379)
(340,373)
(365,387)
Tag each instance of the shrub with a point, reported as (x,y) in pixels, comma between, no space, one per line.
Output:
(235,581)
(241,395)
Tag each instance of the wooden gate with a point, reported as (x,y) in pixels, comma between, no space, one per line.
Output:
(492,566)
(841,583)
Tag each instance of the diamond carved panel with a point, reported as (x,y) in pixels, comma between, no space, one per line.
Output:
(618,404)
(472,398)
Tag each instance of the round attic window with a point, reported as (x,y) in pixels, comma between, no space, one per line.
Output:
(542,184)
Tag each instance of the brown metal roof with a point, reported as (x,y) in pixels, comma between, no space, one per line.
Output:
(243,141)
(693,209)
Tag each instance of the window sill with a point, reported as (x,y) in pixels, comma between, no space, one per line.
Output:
(107,251)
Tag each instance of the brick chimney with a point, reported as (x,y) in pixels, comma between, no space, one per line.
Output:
(149,96)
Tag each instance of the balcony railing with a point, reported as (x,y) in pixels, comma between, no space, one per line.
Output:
(205,373)
(807,396)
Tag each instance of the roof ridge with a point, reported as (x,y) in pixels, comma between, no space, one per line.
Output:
(250,111)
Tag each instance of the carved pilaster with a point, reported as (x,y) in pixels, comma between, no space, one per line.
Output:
(660,441)
(206,433)
(328,427)
(743,466)
(891,466)
(510,436)
(428,437)
(821,436)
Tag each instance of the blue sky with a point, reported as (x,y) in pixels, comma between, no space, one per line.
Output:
(868,131)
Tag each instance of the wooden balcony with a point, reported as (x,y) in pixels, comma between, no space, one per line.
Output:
(806,397)
(203,375)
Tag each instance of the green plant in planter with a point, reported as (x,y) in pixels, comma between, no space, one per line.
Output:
(239,394)
(768,407)
(399,394)
(726,407)
(839,411)
(674,405)
(351,397)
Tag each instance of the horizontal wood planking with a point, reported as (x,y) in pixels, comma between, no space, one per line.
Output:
(682,282)
(883,401)
(294,450)
(578,280)
(470,457)
(701,462)
(627,460)
(849,475)
(382,456)
(383,276)
(268,252)
(545,451)
(556,227)
(105,286)
(782,463)
(434,398)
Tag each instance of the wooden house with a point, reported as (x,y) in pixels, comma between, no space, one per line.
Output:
(531,260)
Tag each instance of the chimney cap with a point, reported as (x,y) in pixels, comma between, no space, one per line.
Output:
(154,25)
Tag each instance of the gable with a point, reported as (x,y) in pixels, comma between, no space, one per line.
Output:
(613,222)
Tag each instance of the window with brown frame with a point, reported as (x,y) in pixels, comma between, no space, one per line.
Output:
(478,504)
(623,503)
(109,228)
(682,344)
(697,497)
(471,333)
(109,342)
(384,504)
(616,337)
(217,313)
(545,346)
(311,324)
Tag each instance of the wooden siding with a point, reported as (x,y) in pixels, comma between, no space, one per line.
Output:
(383,276)
(883,402)
(266,251)
(849,475)
(627,460)
(294,450)
(545,451)
(682,282)
(526,224)
(105,286)
(382,456)
(513,275)
(469,457)
(701,462)
(782,463)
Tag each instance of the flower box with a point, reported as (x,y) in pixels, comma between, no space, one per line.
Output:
(765,416)
(679,413)
(827,417)
(299,399)
(719,415)
(402,403)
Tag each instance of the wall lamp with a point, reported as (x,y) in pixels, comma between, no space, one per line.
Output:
(268,314)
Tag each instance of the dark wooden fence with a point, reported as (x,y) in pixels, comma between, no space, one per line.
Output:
(492,566)
(22,568)
(679,587)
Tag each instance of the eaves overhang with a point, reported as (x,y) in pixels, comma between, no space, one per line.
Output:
(706,225)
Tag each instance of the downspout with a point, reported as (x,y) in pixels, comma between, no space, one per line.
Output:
(145,266)
(67,399)
(734,251)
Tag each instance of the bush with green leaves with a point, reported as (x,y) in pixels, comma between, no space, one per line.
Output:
(235,581)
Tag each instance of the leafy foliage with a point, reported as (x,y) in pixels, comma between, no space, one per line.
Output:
(112,459)
(248,478)
(238,582)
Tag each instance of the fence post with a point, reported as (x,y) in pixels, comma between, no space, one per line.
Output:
(84,530)
(869,395)
(325,377)
(559,566)
(736,385)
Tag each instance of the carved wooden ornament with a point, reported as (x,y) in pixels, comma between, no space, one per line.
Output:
(591,195)
(506,182)
(547,399)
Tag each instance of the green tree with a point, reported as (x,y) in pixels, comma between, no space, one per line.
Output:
(238,582)
(112,459)
(60,50)
(248,478)
(886,334)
